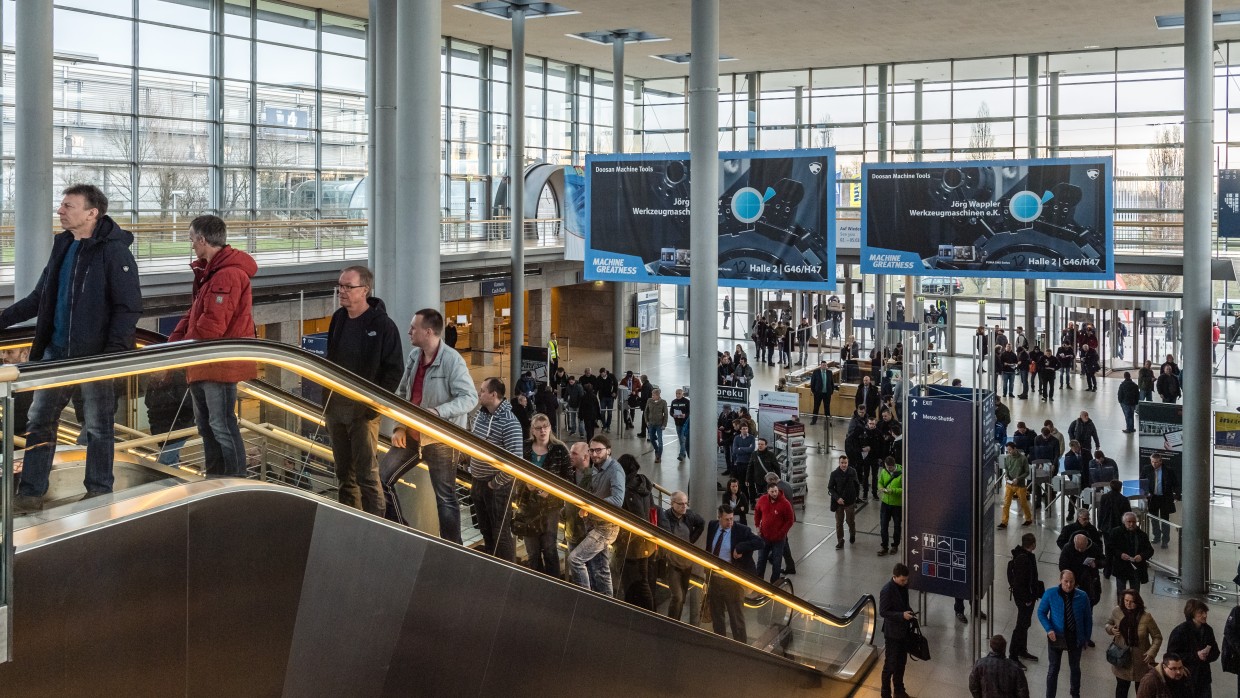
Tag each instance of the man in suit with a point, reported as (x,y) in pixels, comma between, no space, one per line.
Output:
(1162,486)
(822,385)
(734,545)
(897,615)
(867,396)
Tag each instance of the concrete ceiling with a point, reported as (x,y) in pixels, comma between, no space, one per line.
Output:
(781,34)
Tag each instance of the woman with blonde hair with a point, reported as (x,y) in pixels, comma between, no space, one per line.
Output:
(538,513)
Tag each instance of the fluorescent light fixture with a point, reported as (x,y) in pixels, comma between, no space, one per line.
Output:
(683,58)
(1177,21)
(505,8)
(631,36)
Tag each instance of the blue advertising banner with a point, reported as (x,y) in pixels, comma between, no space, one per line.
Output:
(776,218)
(1046,219)
(1229,203)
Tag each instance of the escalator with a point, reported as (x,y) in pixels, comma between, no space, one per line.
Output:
(241,587)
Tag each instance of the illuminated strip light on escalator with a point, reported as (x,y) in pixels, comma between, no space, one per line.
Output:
(423,425)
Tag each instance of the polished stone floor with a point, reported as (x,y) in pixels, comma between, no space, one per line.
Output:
(832,578)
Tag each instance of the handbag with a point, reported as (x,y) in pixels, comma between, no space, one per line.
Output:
(1118,656)
(918,646)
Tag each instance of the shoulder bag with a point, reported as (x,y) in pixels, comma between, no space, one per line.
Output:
(918,646)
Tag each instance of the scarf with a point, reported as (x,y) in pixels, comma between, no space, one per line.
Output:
(1128,626)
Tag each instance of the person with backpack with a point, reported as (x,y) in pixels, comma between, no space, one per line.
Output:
(635,552)
(1027,588)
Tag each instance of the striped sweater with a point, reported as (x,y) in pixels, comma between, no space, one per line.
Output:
(502,429)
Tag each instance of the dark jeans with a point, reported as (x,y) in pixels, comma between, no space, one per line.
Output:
(541,550)
(774,553)
(607,404)
(1122,583)
(1009,381)
(678,584)
(1147,396)
(1020,634)
(355,436)
(1160,506)
(895,658)
(1091,380)
(491,506)
(440,462)
(1065,376)
(635,576)
(822,400)
(886,515)
(1024,382)
(1074,670)
(99,410)
(215,413)
(1130,411)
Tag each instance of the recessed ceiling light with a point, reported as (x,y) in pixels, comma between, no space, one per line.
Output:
(505,8)
(1092,46)
(631,36)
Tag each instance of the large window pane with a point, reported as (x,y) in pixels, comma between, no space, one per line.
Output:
(167,188)
(285,24)
(285,66)
(237,17)
(344,35)
(123,8)
(165,48)
(91,136)
(237,58)
(174,96)
(280,147)
(191,15)
(173,140)
(95,38)
(344,74)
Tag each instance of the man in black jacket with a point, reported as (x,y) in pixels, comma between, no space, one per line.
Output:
(363,339)
(868,397)
(897,617)
(1129,396)
(822,385)
(994,676)
(1027,589)
(734,545)
(687,525)
(844,488)
(1162,485)
(87,302)
(1128,555)
(607,389)
(1084,430)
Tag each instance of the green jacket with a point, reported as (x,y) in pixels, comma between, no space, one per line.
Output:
(1016,467)
(894,484)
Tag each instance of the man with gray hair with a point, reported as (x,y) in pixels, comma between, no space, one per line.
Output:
(220,309)
(362,339)
(1128,554)
(687,525)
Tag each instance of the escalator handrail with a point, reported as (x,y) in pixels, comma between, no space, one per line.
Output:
(45,374)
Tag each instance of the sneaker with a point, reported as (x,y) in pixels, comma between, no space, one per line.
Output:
(26,504)
(961,617)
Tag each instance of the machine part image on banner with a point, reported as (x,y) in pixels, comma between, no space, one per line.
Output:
(776,219)
(1020,218)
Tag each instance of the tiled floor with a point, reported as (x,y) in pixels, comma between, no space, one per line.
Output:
(833,578)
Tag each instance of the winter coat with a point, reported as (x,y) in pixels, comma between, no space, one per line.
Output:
(1128,393)
(1149,639)
(1026,587)
(1168,386)
(1051,613)
(1086,433)
(1156,685)
(1145,379)
(773,519)
(105,301)
(656,413)
(1069,531)
(996,676)
(843,485)
(1186,640)
(1136,542)
(222,309)
(1111,509)
(1023,441)
(168,406)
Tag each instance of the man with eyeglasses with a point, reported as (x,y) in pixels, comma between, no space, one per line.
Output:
(1167,680)
(437,380)
(589,560)
(687,525)
(364,340)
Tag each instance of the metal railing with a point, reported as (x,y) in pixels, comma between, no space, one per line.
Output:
(849,633)
(162,245)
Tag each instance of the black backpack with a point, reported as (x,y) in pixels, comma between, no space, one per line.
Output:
(642,505)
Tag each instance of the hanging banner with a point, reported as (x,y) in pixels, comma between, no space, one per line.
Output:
(1045,219)
(776,218)
(573,213)
(1227,431)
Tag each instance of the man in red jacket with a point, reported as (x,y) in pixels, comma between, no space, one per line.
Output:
(220,309)
(774,518)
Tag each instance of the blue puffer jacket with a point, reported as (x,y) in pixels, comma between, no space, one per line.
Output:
(106,300)
(1050,613)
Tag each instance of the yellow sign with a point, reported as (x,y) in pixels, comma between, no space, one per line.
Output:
(1227,431)
(632,333)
